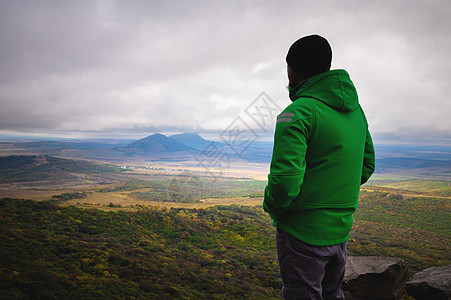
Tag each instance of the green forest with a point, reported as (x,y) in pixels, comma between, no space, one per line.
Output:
(50,251)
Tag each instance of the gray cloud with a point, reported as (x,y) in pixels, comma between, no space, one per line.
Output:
(119,66)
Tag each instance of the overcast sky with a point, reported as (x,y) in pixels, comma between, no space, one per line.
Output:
(133,68)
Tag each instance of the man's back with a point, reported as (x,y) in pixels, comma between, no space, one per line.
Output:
(322,153)
(324,143)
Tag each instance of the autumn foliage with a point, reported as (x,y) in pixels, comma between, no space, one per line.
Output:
(50,251)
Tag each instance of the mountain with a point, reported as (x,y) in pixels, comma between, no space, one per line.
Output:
(192,140)
(399,159)
(258,151)
(157,145)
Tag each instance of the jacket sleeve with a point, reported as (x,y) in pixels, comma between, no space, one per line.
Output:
(287,166)
(369,161)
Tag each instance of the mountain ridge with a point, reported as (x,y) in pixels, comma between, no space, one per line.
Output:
(156,144)
(401,159)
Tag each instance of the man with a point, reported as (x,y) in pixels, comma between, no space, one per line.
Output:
(322,153)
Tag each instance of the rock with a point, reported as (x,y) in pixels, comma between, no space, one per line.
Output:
(431,284)
(374,277)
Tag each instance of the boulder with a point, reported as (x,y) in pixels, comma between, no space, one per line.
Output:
(375,277)
(431,284)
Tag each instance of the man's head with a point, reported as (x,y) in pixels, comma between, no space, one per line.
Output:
(308,56)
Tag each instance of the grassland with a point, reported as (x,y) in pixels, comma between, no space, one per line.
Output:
(426,187)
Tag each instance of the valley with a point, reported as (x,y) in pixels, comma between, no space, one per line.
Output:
(151,218)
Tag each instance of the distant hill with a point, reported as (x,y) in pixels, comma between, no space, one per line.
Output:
(21,168)
(192,140)
(75,144)
(425,161)
(80,148)
(157,144)
(66,144)
(401,159)
(258,151)
(178,147)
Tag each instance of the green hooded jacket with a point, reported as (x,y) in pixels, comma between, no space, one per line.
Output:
(322,153)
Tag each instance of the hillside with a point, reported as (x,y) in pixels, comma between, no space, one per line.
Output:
(21,168)
(50,252)
(223,252)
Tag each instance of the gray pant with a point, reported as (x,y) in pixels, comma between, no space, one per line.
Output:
(310,272)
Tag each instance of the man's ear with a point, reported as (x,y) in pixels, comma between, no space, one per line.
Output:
(293,77)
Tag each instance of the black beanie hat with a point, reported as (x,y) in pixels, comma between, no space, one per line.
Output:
(310,55)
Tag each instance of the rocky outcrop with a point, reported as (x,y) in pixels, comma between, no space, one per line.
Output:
(431,284)
(374,277)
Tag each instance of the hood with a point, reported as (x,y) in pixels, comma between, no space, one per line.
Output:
(333,88)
